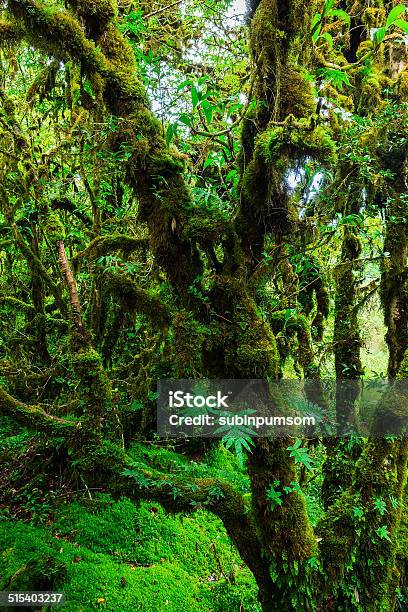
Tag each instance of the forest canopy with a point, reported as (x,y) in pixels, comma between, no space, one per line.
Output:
(200,190)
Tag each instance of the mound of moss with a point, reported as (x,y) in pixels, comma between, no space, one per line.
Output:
(113,555)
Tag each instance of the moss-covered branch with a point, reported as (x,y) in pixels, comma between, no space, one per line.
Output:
(34,417)
(60,33)
(17,304)
(10,32)
(66,204)
(135,299)
(37,266)
(103,245)
(219,498)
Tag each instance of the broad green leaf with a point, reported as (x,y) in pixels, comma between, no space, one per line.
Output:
(328,5)
(186,119)
(209,162)
(329,39)
(379,35)
(394,14)
(401,23)
(208,111)
(170,133)
(195,96)
(315,20)
(316,33)
(184,84)
(383,533)
(337,77)
(341,15)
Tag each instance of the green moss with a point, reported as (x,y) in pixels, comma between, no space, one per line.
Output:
(402,85)
(103,245)
(336,531)
(298,97)
(188,339)
(165,164)
(145,535)
(17,304)
(218,463)
(271,142)
(33,417)
(10,32)
(374,17)
(251,350)
(58,31)
(403,369)
(136,299)
(117,556)
(316,142)
(364,47)
(206,225)
(118,49)
(101,460)
(256,354)
(95,389)
(44,573)
(96,13)
(284,531)
(302,138)
(371,94)
(54,228)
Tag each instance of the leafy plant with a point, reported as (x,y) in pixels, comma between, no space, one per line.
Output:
(274,496)
(300,454)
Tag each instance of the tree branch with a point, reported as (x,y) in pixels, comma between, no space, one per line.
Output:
(66,204)
(135,299)
(102,245)
(34,416)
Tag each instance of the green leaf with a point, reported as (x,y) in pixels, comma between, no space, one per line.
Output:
(195,96)
(136,405)
(328,5)
(208,111)
(337,77)
(394,14)
(379,35)
(380,505)
(341,15)
(275,497)
(316,33)
(358,512)
(208,162)
(316,19)
(402,24)
(184,84)
(382,532)
(170,133)
(186,119)
(329,38)
(313,562)
(300,455)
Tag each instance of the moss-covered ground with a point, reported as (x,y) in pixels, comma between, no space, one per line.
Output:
(116,554)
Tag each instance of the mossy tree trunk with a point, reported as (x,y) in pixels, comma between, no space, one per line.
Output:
(341,455)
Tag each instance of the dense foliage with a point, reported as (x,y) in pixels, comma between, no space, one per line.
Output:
(191,192)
